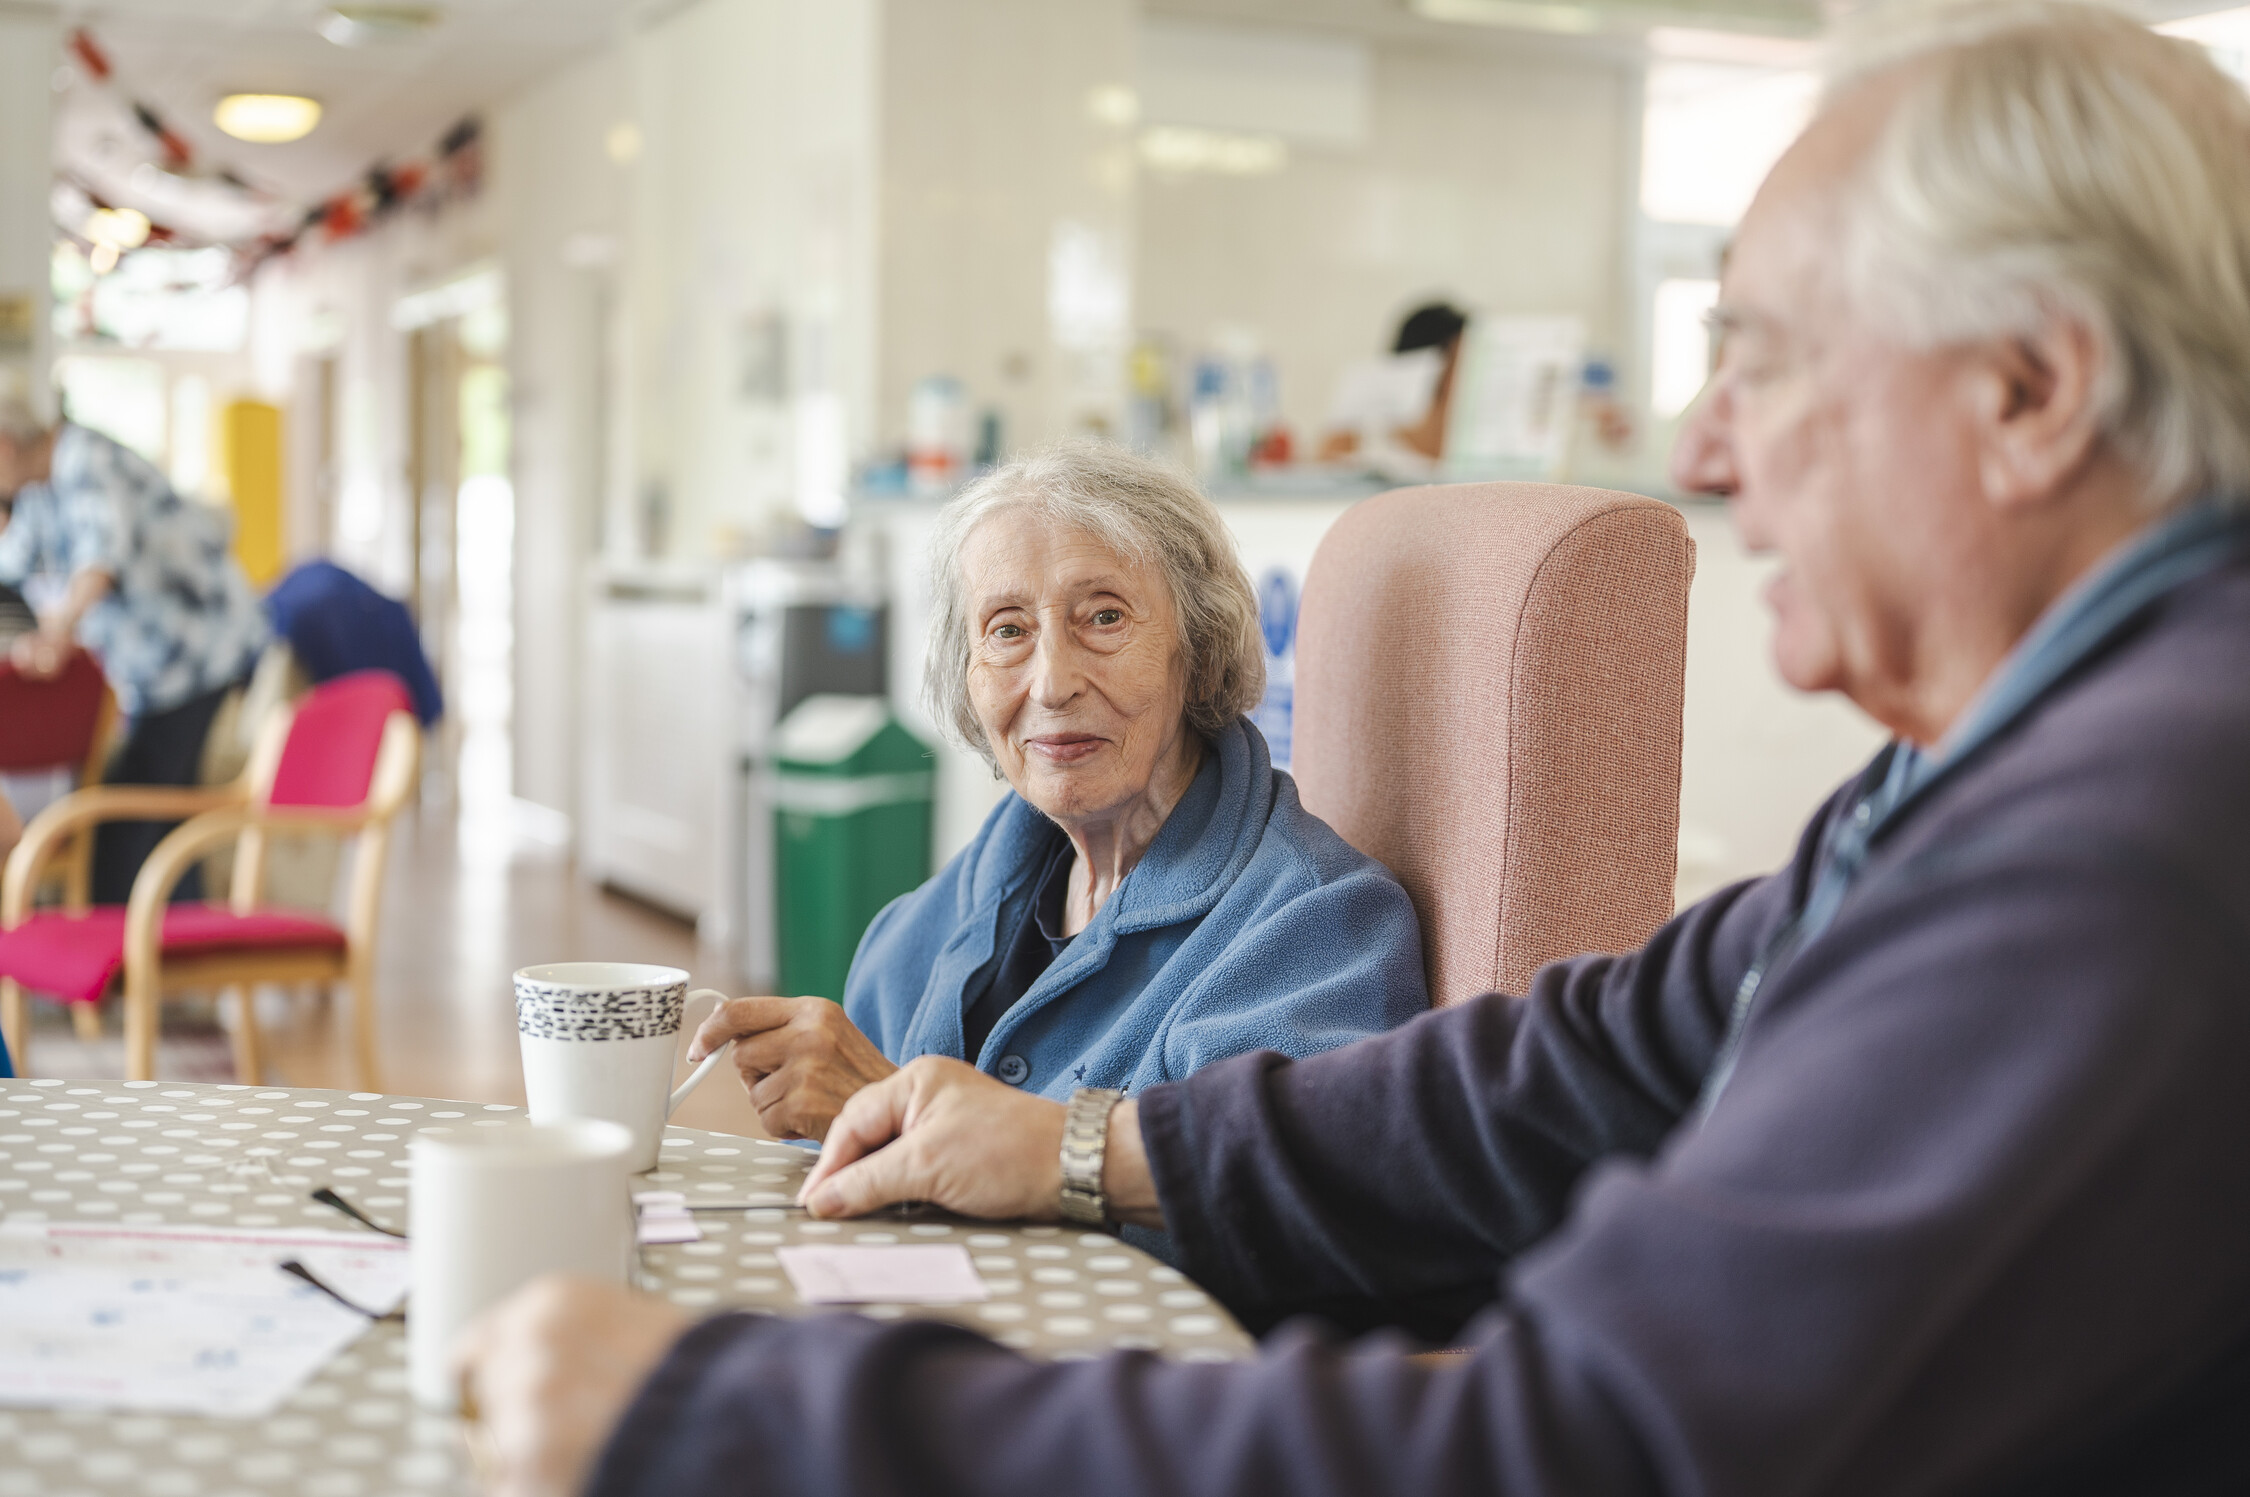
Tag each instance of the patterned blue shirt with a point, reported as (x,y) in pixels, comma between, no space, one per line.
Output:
(179,619)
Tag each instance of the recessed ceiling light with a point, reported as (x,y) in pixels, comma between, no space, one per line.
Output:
(266,119)
(374,25)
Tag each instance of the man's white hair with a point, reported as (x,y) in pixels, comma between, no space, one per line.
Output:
(1143,512)
(2053,159)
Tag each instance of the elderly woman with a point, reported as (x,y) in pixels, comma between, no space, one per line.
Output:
(1152,897)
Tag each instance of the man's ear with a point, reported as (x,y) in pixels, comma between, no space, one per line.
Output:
(2038,426)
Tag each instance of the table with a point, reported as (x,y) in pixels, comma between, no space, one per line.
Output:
(184,1153)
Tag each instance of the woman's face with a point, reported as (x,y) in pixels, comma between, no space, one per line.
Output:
(1074,665)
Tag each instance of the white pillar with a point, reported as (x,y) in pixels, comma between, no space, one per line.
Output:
(29,51)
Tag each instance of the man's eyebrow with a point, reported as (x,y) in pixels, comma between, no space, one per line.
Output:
(1726,319)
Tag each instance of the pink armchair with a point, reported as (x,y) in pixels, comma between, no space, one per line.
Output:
(342,760)
(1488,694)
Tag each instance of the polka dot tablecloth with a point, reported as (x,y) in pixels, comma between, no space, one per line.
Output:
(184,1154)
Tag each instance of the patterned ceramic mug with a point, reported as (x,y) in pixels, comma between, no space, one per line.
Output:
(598,1042)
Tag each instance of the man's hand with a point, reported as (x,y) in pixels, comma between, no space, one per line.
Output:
(549,1372)
(944,1132)
(41,654)
(801,1060)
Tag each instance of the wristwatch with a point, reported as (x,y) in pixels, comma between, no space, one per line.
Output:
(1085,1140)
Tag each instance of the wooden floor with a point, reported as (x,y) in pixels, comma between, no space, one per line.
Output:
(467,902)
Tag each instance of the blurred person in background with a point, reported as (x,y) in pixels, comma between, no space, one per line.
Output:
(1390,415)
(142,578)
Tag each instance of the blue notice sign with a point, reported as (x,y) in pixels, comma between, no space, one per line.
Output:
(1277,610)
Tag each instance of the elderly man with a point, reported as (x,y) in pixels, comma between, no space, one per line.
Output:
(1920,1166)
(143,578)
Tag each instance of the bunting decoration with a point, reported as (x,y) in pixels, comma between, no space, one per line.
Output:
(452,170)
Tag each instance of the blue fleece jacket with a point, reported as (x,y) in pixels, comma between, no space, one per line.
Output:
(1248,925)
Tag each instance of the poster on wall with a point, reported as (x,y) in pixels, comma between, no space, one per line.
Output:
(1514,397)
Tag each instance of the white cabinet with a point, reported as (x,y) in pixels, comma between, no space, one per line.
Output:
(659,778)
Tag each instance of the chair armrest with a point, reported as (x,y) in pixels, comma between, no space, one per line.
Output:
(190,841)
(84,808)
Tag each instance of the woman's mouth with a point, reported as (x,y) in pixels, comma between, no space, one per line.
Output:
(1064,748)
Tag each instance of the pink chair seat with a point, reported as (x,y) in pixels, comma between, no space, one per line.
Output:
(76,957)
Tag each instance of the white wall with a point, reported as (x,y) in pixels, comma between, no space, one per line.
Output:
(660,201)
(561,204)
(29,42)
(1007,233)
(1490,179)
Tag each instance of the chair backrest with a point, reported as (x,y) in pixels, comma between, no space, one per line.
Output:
(335,735)
(59,721)
(1488,691)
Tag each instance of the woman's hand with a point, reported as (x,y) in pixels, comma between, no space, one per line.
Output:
(800,1058)
(549,1372)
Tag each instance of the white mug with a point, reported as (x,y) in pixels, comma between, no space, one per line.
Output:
(598,1041)
(494,1209)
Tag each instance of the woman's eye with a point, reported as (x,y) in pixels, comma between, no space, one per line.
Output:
(1108,616)
(1008,631)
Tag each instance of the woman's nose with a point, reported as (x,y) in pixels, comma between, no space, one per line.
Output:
(1056,672)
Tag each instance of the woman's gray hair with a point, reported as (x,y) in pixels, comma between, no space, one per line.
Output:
(1144,512)
(2049,159)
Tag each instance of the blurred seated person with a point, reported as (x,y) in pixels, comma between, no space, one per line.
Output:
(16,617)
(141,577)
(1390,414)
(1915,1167)
(1151,897)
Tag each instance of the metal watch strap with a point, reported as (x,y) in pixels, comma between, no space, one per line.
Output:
(1085,1141)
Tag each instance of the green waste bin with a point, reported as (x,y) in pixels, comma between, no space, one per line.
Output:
(853,797)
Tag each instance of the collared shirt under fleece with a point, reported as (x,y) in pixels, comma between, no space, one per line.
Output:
(1971,1216)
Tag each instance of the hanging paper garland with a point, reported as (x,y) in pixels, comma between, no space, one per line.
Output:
(383,189)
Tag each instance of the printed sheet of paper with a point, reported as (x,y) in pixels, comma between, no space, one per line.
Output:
(910,1274)
(179,1319)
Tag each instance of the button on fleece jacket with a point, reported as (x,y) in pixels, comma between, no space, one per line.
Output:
(1247,925)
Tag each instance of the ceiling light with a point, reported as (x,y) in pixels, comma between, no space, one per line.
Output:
(266,119)
(1584,17)
(375,25)
(1178,148)
(1113,104)
(117,228)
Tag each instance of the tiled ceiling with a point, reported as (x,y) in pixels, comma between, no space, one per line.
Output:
(384,100)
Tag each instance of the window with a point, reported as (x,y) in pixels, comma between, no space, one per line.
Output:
(1711,132)
(2225,34)
(1680,344)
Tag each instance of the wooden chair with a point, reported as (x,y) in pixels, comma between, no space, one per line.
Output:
(64,722)
(342,760)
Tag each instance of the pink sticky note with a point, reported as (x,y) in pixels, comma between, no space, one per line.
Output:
(910,1274)
(661,1229)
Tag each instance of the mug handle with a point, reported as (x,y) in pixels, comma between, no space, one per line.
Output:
(710,1062)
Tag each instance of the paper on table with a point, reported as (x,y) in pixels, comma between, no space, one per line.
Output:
(916,1274)
(192,1320)
(663,1217)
